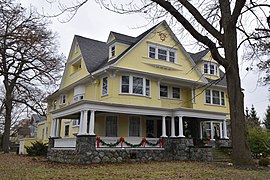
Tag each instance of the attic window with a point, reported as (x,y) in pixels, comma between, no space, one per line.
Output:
(161,53)
(76,66)
(112,51)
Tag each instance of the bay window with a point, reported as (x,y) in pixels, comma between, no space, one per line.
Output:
(135,85)
(214,97)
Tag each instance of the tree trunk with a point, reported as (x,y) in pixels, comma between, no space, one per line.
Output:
(241,152)
(8,104)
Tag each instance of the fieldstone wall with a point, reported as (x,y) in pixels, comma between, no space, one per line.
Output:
(87,153)
(201,153)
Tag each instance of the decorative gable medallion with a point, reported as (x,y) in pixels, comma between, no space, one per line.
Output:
(162,36)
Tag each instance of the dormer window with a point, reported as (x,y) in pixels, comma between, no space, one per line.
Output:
(161,53)
(76,66)
(112,51)
(210,68)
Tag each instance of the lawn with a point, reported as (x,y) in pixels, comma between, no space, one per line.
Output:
(23,167)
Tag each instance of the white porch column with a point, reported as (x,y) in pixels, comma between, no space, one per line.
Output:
(83,123)
(53,128)
(58,128)
(92,123)
(172,126)
(212,130)
(164,126)
(220,130)
(181,134)
(225,129)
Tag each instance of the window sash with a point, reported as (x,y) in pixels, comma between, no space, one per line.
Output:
(66,130)
(111,126)
(176,92)
(152,52)
(137,85)
(112,51)
(105,86)
(162,54)
(171,56)
(163,91)
(125,84)
(147,87)
(134,126)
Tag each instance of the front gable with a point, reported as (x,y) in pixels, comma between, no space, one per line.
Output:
(160,39)
(75,67)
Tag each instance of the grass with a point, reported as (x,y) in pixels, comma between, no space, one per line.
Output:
(23,167)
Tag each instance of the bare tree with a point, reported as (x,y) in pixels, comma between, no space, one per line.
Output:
(28,59)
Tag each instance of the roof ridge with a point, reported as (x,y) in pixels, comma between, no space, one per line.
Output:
(79,36)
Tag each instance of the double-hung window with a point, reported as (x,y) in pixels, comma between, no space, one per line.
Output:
(161,53)
(104,86)
(214,97)
(112,51)
(111,126)
(163,91)
(134,126)
(169,92)
(135,85)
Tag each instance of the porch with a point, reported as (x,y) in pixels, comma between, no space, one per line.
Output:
(131,132)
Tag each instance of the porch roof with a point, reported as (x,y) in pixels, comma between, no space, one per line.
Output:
(134,109)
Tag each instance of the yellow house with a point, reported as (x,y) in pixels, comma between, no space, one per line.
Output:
(137,89)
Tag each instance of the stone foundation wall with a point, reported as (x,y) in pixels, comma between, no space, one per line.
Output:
(87,153)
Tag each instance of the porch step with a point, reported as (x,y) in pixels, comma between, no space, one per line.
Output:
(220,156)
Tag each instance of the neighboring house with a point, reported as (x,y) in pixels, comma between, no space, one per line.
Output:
(26,132)
(128,88)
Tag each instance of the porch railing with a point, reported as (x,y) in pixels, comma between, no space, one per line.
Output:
(129,142)
(65,143)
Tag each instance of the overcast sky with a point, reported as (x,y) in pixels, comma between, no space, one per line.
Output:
(95,22)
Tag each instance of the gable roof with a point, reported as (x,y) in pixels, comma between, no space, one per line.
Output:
(93,52)
(123,38)
(197,57)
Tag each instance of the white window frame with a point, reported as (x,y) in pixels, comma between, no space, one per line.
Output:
(103,93)
(78,97)
(211,97)
(112,52)
(117,126)
(130,91)
(77,122)
(207,66)
(140,126)
(170,92)
(165,48)
(63,99)
(67,124)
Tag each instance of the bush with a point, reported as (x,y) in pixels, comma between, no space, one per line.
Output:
(264,162)
(259,141)
(37,149)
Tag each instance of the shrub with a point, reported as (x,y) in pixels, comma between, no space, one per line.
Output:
(37,149)
(264,162)
(259,141)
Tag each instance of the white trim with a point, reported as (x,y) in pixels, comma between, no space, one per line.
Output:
(211,98)
(208,63)
(61,97)
(170,92)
